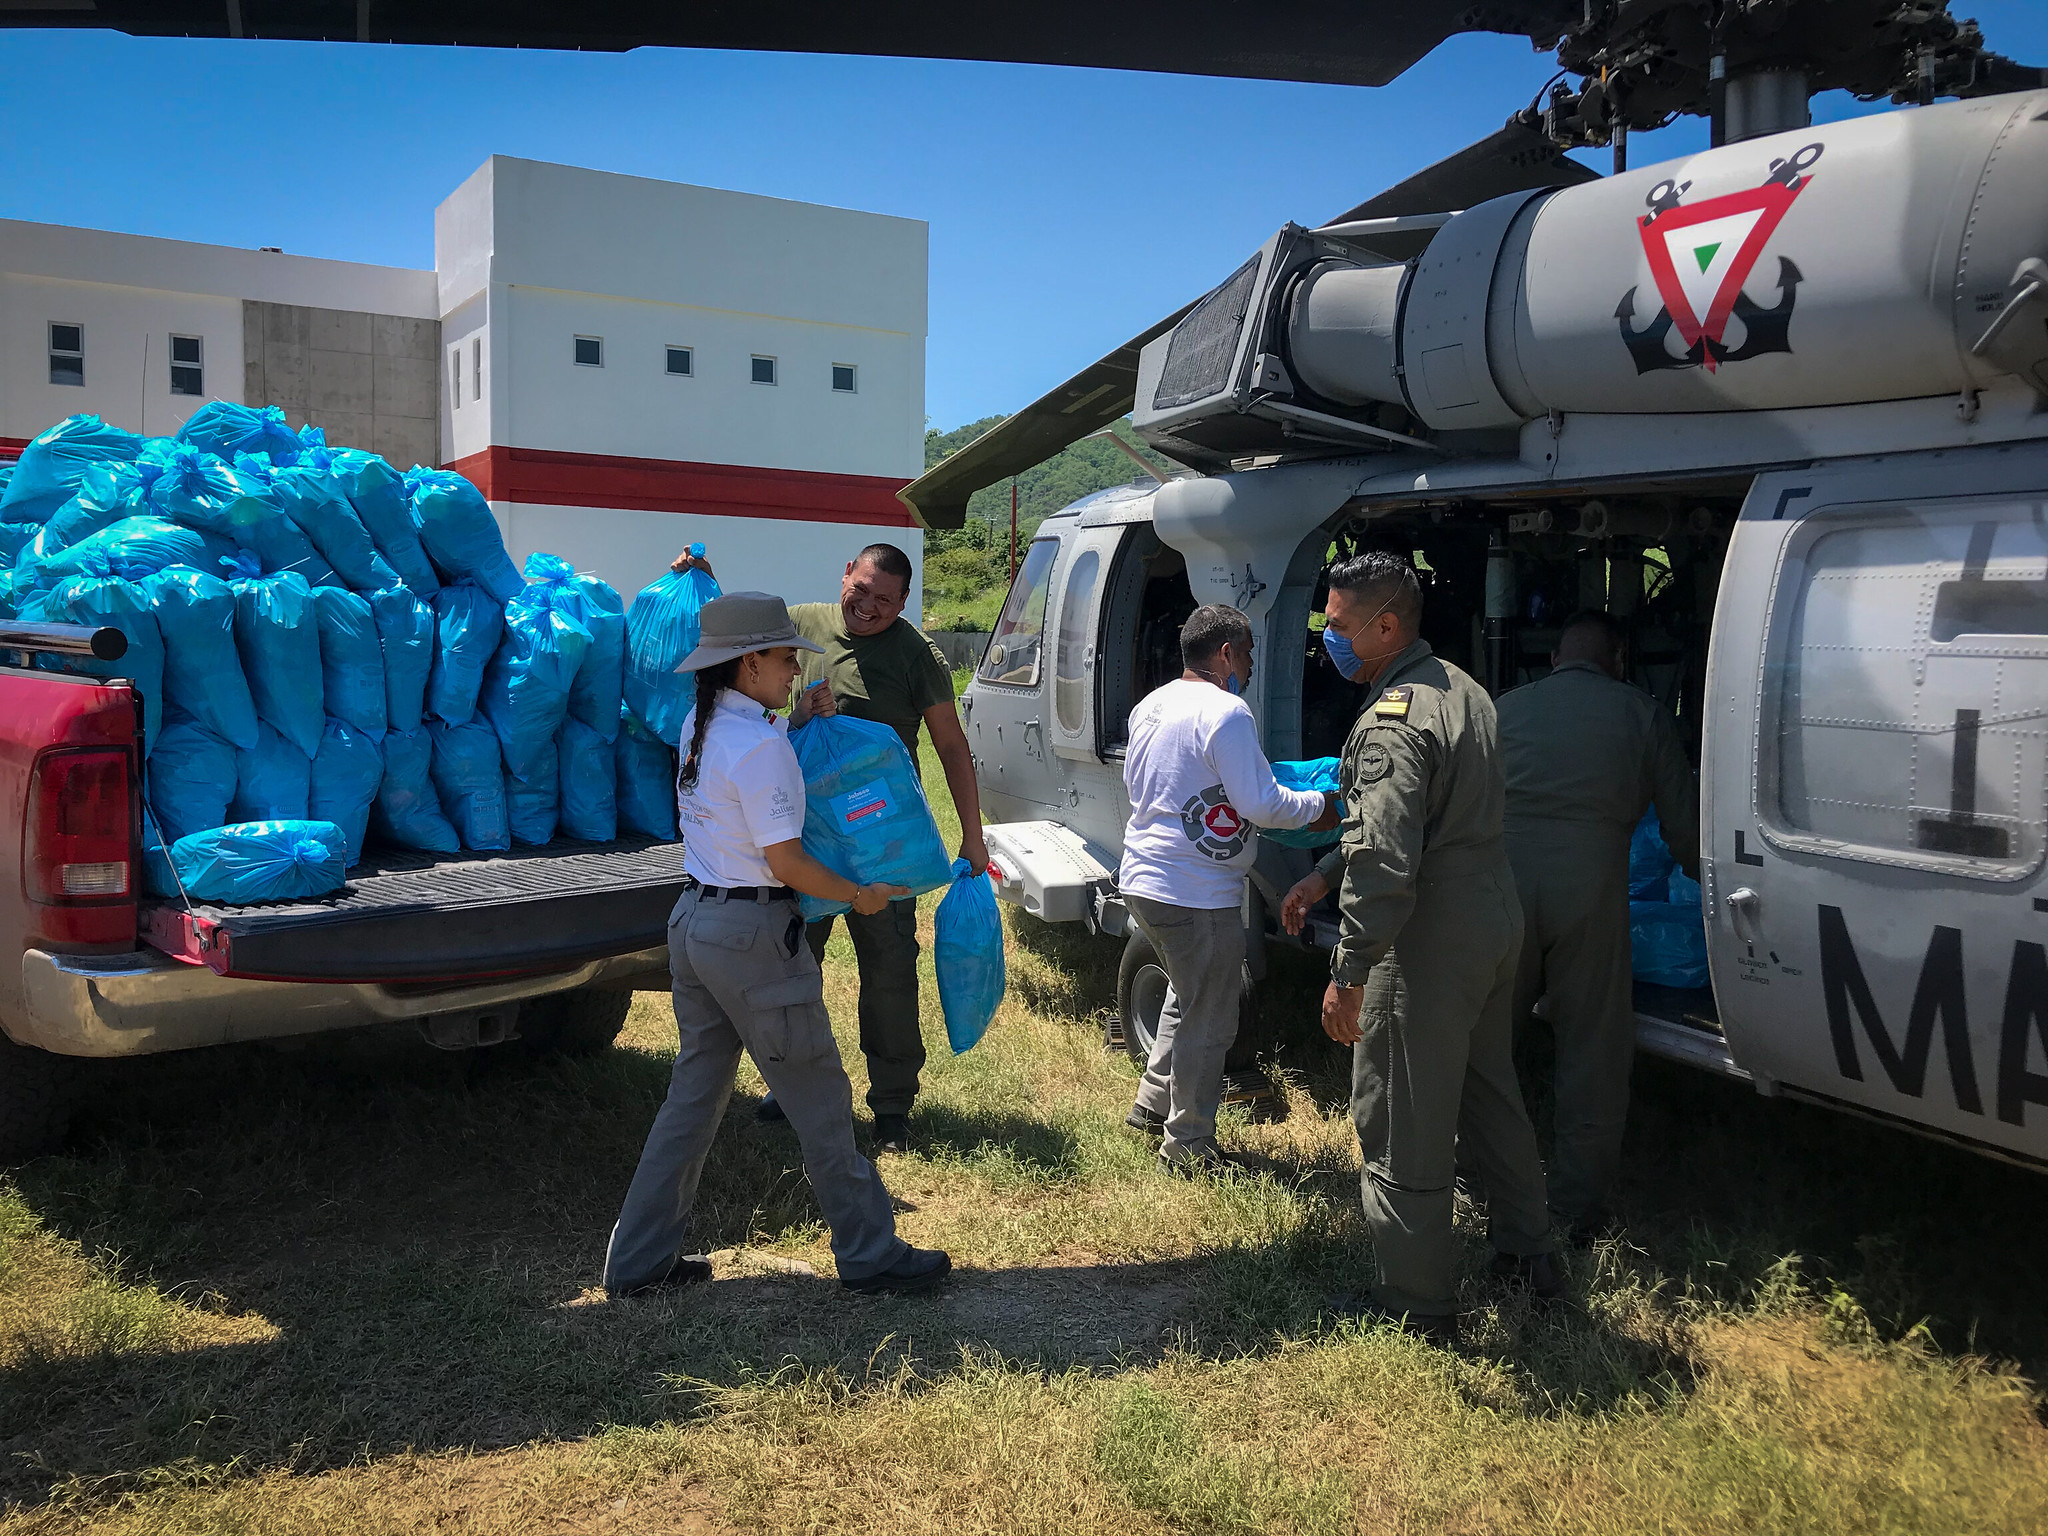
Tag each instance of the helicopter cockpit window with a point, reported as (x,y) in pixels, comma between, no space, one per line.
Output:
(1015,650)
(1914,691)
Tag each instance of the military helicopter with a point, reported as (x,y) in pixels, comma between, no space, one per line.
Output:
(1781,407)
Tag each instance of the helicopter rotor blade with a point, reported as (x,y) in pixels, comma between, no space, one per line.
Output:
(1513,158)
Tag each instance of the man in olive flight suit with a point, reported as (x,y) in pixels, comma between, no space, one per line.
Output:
(1422,979)
(1585,753)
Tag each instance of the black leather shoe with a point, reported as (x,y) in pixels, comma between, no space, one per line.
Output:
(1142,1119)
(1438,1328)
(684,1271)
(1535,1272)
(920,1269)
(768,1112)
(892,1133)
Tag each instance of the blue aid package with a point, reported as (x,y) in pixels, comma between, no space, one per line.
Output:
(136,547)
(54,462)
(865,815)
(377,492)
(590,806)
(277,636)
(460,535)
(469,777)
(273,781)
(468,624)
(526,687)
(967,953)
(351,659)
(225,428)
(347,771)
(405,630)
(407,811)
(646,780)
(312,499)
(197,490)
(202,670)
(261,527)
(191,779)
(594,696)
(533,802)
(106,493)
(1650,864)
(661,629)
(261,861)
(1317,774)
(118,604)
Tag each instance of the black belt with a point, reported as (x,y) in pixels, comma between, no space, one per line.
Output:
(761,893)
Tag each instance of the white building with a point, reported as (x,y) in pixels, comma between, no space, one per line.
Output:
(622,365)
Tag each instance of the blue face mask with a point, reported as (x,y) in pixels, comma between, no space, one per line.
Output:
(1340,652)
(1231,685)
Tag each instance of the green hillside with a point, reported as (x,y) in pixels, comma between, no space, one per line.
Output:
(966,571)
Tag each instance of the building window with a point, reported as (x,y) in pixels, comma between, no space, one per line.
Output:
(188,376)
(764,369)
(843,377)
(680,362)
(67,353)
(590,351)
(476,368)
(455,377)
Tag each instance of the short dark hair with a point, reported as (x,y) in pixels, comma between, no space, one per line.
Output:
(1209,629)
(1590,628)
(1380,578)
(889,560)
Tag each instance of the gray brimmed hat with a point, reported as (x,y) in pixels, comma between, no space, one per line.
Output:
(740,622)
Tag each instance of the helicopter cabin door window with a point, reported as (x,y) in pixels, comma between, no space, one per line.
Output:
(1073,665)
(1906,689)
(1015,649)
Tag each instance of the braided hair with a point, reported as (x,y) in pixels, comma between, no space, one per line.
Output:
(711,681)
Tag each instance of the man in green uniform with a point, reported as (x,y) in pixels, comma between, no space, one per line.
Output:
(1422,979)
(1585,753)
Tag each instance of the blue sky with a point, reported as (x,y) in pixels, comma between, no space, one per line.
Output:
(1068,208)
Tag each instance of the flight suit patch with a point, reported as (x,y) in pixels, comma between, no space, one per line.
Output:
(1375,762)
(1393,704)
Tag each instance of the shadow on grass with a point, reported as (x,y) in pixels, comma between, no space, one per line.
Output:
(1033,1143)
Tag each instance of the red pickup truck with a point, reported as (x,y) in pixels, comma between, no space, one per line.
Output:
(546,944)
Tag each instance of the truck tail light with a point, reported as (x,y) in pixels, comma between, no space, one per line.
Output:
(80,843)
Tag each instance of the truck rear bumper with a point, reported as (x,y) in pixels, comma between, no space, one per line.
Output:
(141,1003)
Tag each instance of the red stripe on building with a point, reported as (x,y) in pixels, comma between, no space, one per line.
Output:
(537,476)
(10,447)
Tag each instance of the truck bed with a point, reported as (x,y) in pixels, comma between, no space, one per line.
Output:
(407,916)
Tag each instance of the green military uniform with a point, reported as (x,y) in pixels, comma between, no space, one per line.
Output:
(1584,755)
(1431,929)
(893,678)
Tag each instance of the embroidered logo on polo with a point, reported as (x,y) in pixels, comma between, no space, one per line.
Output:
(1213,824)
(1700,257)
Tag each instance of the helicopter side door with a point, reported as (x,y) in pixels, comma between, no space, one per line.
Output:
(1876,800)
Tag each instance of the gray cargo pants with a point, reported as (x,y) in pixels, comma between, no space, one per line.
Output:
(745,978)
(1203,953)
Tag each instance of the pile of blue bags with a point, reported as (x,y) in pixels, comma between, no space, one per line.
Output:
(330,651)
(1667,930)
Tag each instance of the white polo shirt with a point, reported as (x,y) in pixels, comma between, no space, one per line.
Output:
(749,794)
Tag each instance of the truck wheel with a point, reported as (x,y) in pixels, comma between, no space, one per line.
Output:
(36,1090)
(1141,992)
(580,1022)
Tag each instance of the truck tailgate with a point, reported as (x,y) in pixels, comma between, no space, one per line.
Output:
(421,917)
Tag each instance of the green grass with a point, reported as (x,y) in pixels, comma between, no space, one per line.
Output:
(350,1286)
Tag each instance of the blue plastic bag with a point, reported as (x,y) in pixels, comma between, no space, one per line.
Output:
(273,781)
(202,669)
(661,629)
(191,779)
(312,499)
(590,805)
(1317,774)
(469,776)
(96,600)
(468,624)
(533,802)
(460,535)
(865,815)
(347,772)
(260,526)
(526,687)
(106,493)
(261,861)
(967,953)
(1650,864)
(407,810)
(136,547)
(351,659)
(56,459)
(277,636)
(595,696)
(405,630)
(14,538)
(1667,943)
(199,491)
(646,780)
(377,492)
(223,428)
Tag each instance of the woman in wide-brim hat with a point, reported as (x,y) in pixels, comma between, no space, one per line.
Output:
(744,977)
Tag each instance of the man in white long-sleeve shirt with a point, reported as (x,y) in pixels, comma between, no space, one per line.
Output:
(1198,784)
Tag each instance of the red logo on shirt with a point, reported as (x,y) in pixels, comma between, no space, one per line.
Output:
(1223,822)
(1213,824)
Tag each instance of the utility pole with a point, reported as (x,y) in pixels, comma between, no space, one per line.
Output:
(1013,529)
